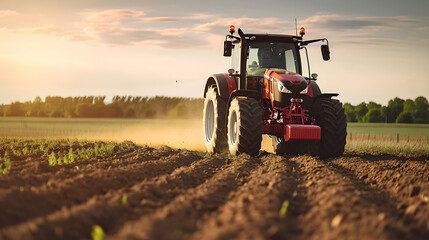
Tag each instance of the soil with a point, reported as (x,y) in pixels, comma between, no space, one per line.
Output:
(165,193)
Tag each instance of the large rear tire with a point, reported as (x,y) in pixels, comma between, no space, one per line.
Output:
(214,122)
(244,129)
(330,116)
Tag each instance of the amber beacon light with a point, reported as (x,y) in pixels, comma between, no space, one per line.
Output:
(302,31)
(232,29)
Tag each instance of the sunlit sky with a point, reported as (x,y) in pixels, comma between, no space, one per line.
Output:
(379,48)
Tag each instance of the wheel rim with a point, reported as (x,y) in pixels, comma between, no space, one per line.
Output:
(278,139)
(233,129)
(209,121)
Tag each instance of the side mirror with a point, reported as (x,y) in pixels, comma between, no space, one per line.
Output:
(325,52)
(227,48)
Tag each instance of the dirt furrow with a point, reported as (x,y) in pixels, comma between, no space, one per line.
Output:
(37,171)
(338,207)
(109,211)
(179,218)
(253,211)
(418,166)
(36,202)
(408,193)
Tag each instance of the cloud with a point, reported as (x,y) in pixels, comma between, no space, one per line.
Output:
(113,15)
(44,30)
(7,13)
(159,19)
(124,27)
(423,29)
(340,22)
(361,39)
(370,30)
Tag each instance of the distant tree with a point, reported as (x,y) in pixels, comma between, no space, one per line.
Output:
(130,113)
(361,110)
(394,108)
(373,105)
(56,113)
(15,109)
(421,116)
(409,106)
(421,113)
(113,110)
(421,104)
(36,108)
(384,113)
(97,110)
(404,117)
(83,110)
(373,115)
(350,112)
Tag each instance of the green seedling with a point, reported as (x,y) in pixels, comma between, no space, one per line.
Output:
(72,156)
(5,165)
(124,199)
(283,209)
(25,151)
(97,233)
(52,159)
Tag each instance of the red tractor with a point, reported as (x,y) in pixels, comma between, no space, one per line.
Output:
(265,92)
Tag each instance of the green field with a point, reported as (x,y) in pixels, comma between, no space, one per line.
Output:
(390,129)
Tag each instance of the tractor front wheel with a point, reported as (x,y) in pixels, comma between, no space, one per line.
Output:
(244,129)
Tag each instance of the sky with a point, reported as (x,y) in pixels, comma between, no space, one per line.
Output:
(379,48)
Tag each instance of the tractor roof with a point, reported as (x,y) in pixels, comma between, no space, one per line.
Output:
(273,37)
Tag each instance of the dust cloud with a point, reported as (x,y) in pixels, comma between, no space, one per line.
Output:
(184,134)
(173,133)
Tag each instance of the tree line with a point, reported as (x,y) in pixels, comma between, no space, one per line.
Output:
(397,111)
(95,107)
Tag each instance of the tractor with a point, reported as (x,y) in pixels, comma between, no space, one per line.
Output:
(265,92)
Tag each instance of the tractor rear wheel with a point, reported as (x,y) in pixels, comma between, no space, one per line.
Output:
(330,116)
(244,129)
(214,117)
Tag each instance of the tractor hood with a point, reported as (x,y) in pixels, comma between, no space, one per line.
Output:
(291,81)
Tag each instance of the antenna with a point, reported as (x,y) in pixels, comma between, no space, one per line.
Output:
(296,28)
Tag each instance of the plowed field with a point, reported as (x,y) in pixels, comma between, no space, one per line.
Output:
(164,193)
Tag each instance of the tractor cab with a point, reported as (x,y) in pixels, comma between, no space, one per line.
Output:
(259,60)
(253,54)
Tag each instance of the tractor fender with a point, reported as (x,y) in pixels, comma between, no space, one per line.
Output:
(325,95)
(315,90)
(239,93)
(225,84)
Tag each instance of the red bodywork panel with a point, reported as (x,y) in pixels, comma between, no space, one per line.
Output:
(273,129)
(310,91)
(231,83)
(302,132)
(283,75)
(293,122)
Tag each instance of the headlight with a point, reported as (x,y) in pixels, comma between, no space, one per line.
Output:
(304,91)
(282,88)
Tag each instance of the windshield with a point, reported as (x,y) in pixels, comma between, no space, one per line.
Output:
(263,55)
